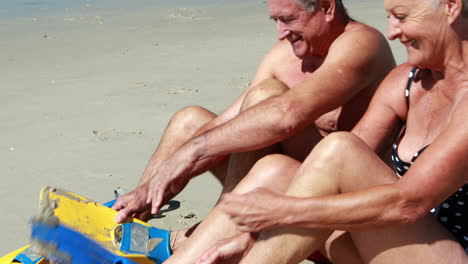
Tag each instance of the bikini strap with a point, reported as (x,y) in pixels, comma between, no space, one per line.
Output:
(412,75)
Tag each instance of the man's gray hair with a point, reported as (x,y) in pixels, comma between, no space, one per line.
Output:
(436,4)
(310,5)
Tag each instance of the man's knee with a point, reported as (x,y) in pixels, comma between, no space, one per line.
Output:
(266,89)
(192,117)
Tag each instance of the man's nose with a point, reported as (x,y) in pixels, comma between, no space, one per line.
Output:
(393,29)
(282,30)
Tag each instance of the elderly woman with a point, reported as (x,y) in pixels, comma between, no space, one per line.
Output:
(343,185)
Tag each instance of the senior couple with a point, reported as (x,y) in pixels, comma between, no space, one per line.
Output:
(331,149)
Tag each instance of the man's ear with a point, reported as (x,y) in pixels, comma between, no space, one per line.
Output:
(328,9)
(453,9)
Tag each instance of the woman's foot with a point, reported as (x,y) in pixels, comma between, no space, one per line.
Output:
(178,237)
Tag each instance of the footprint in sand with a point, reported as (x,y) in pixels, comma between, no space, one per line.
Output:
(175,91)
(106,135)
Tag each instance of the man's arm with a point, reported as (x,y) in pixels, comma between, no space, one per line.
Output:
(136,203)
(353,63)
(264,71)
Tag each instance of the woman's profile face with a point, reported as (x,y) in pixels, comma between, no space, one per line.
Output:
(420,27)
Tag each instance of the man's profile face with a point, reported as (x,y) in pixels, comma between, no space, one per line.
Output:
(302,29)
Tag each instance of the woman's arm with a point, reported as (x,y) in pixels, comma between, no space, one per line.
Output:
(382,120)
(435,175)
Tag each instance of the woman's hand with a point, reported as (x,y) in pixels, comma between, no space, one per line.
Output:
(257,210)
(229,250)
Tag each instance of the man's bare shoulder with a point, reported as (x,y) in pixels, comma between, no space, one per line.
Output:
(281,63)
(358,29)
(364,52)
(281,52)
(363,39)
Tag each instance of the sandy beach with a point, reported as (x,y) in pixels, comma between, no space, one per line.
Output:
(88,89)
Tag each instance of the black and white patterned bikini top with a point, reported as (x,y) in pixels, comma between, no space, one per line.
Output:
(401,166)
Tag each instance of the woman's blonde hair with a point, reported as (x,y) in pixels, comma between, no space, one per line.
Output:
(436,4)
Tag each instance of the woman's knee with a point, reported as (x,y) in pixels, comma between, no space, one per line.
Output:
(347,160)
(273,172)
(264,90)
(191,118)
(336,147)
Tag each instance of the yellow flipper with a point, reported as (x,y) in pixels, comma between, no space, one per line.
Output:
(134,240)
(8,259)
(89,218)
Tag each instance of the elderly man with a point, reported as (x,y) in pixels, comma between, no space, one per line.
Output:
(318,78)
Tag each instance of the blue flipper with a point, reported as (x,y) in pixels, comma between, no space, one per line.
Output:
(110,204)
(28,256)
(67,212)
(65,246)
(140,239)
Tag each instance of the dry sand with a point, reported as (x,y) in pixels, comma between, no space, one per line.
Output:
(88,91)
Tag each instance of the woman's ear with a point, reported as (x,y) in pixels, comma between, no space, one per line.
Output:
(453,9)
(328,9)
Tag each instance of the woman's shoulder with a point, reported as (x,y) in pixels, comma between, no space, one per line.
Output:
(391,91)
(397,79)
(402,71)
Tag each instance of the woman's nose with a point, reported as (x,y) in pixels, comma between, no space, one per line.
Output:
(393,29)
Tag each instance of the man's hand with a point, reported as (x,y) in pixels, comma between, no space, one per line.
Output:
(133,204)
(228,250)
(255,211)
(171,177)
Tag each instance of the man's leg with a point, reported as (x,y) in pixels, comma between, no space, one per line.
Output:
(232,169)
(183,125)
(241,163)
(297,147)
(333,168)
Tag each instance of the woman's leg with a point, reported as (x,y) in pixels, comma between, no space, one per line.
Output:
(274,172)
(343,163)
